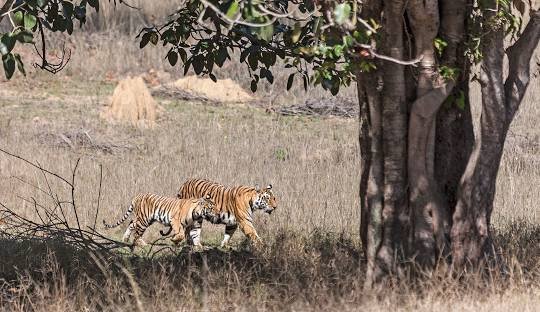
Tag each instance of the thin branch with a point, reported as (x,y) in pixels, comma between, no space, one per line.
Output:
(5,9)
(230,21)
(99,195)
(519,58)
(374,54)
(35,166)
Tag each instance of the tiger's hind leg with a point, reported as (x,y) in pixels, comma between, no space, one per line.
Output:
(128,231)
(137,240)
(229,231)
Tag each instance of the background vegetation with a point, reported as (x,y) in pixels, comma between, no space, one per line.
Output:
(312,260)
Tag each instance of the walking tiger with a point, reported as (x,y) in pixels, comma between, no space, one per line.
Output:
(234,207)
(179,214)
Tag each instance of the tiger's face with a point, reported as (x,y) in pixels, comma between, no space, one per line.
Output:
(265,200)
(205,209)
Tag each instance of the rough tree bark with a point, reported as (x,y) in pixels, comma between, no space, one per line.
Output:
(454,137)
(430,221)
(471,240)
(422,192)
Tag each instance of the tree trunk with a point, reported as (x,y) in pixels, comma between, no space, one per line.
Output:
(421,189)
(384,153)
(454,137)
(430,221)
(471,240)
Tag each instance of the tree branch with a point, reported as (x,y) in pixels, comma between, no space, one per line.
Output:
(519,57)
(5,8)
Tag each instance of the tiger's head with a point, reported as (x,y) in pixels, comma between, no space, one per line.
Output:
(265,199)
(205,209)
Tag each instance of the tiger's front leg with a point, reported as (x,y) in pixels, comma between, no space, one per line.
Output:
(229,231)
(178,231)
(193,233)
(250,232)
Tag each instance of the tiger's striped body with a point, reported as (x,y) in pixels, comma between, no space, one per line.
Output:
(179,214)
(234,207)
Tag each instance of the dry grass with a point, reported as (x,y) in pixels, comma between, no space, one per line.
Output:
(312,260)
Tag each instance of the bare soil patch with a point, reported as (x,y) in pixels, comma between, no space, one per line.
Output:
(204,89)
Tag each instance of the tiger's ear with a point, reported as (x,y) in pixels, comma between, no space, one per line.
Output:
(269,187)
(207,197)
(257,188)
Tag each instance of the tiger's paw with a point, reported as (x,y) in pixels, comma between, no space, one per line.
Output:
(257,244)
(197,248)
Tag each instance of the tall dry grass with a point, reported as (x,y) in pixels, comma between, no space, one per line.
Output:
(312,260)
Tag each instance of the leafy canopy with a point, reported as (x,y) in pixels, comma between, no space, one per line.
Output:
(330,37)
(204,34)
(30,17)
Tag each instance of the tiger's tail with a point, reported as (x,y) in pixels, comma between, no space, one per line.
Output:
(126,215)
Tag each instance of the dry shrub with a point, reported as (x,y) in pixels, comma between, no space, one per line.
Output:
(133,103)
(222,91)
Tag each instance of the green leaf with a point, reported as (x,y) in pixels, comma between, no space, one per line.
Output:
(9,65)
(460,100)
(59,24)
(7,43)
(253,86)
(267,74)
(183,55)
(154,38)
(342,13)
(29,21)
(297,31)
(31,3)
(172,56)
(253,60)
(266,32)
(186,65)
(290,81)
(18,18)
(69,26)
(233,9)
(20,64)
(221,56)
(42,3)
(144,40)
(268,58)
(80,12)
(209,62)
(67,9)
(338,51)
(198,64)
(94,4)
(25,36)
(243,55)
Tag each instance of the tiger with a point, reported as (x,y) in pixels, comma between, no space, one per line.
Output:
(234,207)
(177,213)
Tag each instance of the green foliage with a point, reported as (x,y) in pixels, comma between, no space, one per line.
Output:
(448,73)
(206,33)
(37,16)
(439,45)
(342,13)
(492,15)
(281,154)
(457,99)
